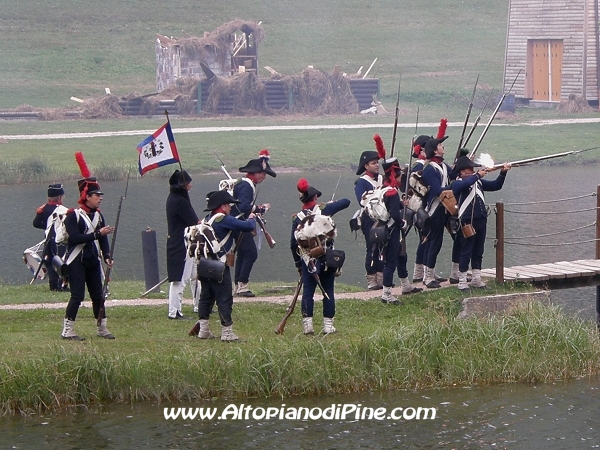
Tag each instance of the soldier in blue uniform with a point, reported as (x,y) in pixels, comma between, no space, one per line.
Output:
(435,175)
(468,190)
(219,291)
(313,268)
(368,169)
(245,191)
(43,220)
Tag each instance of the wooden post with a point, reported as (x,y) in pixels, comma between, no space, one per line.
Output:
(199,103)
(499,243)
(598,253)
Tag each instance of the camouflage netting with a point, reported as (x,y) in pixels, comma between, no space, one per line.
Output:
(575,104)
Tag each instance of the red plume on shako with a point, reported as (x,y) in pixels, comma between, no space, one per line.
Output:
(88,184)
(303,185)
(379,146)
(442,128)
(83,168)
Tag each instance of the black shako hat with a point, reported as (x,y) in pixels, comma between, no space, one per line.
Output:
(390,163)
(179,178)
(55,190)
(89,186)
(365,157)
(260,164)
(463,163)
(431,146)
(218,198)
(307,192)
(419,144)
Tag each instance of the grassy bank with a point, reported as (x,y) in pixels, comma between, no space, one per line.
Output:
(61,48)
(417,345)
(110,157)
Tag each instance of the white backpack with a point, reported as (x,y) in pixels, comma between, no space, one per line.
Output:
(374,204)
(201,240)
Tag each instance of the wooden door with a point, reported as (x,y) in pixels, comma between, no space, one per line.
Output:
(544,73)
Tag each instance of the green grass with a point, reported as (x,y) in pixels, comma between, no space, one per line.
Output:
(109,157)
(418,345)
(61,48)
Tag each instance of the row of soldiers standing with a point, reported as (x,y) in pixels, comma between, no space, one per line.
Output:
(232,216)
(467,187)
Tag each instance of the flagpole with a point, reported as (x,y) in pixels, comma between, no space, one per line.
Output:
(169,122)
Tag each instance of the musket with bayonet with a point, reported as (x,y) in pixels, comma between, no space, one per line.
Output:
(258,217)
(476,146)
(523,162)
(475,123)
(336,187)
(408,171)
(396,119)
(112,250)
(462,135)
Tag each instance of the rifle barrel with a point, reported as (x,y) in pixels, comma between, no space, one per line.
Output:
(462,136)
(396,120)
(542,158)
(472,153)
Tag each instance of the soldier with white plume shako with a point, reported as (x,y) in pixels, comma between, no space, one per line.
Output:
(87,247)
(245,191)
(313,233)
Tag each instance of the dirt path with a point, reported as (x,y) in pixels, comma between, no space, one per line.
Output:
(279,299)
(533,123)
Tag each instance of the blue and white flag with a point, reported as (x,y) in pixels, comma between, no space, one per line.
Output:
(157,150)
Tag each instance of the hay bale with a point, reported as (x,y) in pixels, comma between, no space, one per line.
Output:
(317,92)
(244,90)
(574,104)
(103,107)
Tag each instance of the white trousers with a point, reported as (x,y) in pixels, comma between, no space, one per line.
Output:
(176,288)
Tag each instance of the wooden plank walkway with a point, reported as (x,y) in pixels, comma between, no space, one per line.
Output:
(565,274)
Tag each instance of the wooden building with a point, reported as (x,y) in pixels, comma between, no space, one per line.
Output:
(231,48)
(556,46)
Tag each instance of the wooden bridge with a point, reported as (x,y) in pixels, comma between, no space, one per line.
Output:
(558,275)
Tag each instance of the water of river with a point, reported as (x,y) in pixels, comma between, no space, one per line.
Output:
(511,416)
(144,207)
(552,416)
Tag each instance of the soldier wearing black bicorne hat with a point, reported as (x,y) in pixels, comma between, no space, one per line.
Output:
(180,215)
(219,292)
(368,170)
(468,190)
(245,191)
(44,220)
(87,247)
(418,146)
(453,278)
(436,177)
